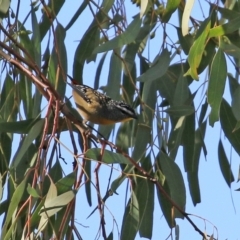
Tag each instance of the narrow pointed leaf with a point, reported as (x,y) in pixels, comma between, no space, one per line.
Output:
(170,9)
(108,156)
(217,79)
(175,181)
(130,222)
(157,70)
(176,137)
(228,123)
(36,41)
(233,84)
(229,48)
(126,37)
(4,6)
(179,111)
(33,192)
(55,204)
(46,22)
(197,49)
(229,27)
(182,92)
(166,206)
(145,195)
(77,14)
(236,103)
(16,198)
(224,164)
(193,180)
(33,134)
(188,142)
(21,127)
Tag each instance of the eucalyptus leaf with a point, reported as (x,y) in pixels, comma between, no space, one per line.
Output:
(107,157)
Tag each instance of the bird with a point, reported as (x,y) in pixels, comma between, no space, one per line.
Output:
(97,107)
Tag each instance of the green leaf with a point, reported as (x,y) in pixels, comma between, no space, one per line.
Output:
(203,112)
(77,14)
(128,36)
(171,7)
(54,8)
(1,188)
(182,92)
(55,204)
(25,90)
(197,49)
(145,195)
(20,127)
(149,98)
(65,184)
(33,192)
(110,236)
(228,123)
(175,136)
(105,130)
(130,223)
(226,12)
(36,41)
(108,157)
(33,134)
(62,60)
(224,164)
(133,48)
(167,83)
(26,43)
(143,138)
(37,101)
(233,84)
(188,142)
(8,108)
(230,27)
(84,50)
(174,180)
(5,154)
(165,204)
(90,40)
(128,85)
(159,68)
(16,198)
(99,71)
(229,48)
(237,126)
(236,103)
(117,182)
(28,160)
(207,57)
(88,184)
(56,171)
(192,175)
(179,111)
(114,76)
(126,135)
(185,41)
(51,194)
(217,80)
(4,6)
